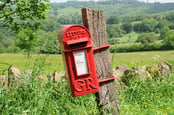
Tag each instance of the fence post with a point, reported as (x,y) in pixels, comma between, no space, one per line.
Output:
(107,97)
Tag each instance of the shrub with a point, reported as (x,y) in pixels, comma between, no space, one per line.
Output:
(169,39)
(136,47)
(147,25)
(147,38)
(113,41)
(114,31)
(127,27)
(113,20)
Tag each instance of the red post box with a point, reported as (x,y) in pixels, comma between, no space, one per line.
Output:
(77,52)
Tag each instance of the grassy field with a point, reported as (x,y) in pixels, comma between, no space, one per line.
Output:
(154,97)
(54,62)
(142,58)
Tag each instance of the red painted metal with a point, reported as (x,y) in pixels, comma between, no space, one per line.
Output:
(106,80)
(98,48)
(75,39)
(89,46)
(102,47)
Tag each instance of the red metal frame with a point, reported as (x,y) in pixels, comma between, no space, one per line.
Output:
(105,80)
(77,41)
(98,48)
(88,46)
(74,38)
(89,72)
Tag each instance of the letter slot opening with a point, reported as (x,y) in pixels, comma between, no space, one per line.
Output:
(82,41)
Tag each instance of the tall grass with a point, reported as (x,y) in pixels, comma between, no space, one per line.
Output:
(152,97)
(31,96)
(50,98)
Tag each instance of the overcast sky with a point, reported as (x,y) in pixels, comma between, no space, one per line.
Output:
(162,1)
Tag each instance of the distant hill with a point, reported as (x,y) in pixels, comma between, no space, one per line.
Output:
(124,8)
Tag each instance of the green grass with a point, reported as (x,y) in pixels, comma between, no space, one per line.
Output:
(142,58)
(38,98)
(154,97)
(53,62)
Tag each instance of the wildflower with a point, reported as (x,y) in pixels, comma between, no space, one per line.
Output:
(167,108)
(157,96)
(156,57)
(161,105)
(135,102)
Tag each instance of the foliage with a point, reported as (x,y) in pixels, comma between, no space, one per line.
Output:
(73,18)
(147,38)
(136,47)
(162,23)
(16,14)
(114,31)
(50,24)
(169,40)
(31,96)
(113,41)
(147,96)
(50,44)
(127,27)
(163,32)
(147,25)
(113,20)
(170,17)
(7,41)
(26,40)
(142,17)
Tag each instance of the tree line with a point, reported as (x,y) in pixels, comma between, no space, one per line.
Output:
(32,26)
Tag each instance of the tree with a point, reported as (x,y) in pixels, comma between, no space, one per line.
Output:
(169,40)
(16,14)
(147,38)
(170,17)
(163,32)
(114,31)
(127,27)
(113,20)
(162,23)
(50,24)
(49,43)
(147,25)
(26,40)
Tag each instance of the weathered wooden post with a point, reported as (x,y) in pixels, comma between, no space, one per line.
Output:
(107,97)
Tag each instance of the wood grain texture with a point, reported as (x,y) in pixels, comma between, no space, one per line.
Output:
(107,97)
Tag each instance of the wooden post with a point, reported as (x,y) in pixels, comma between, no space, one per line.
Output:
(107,97)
